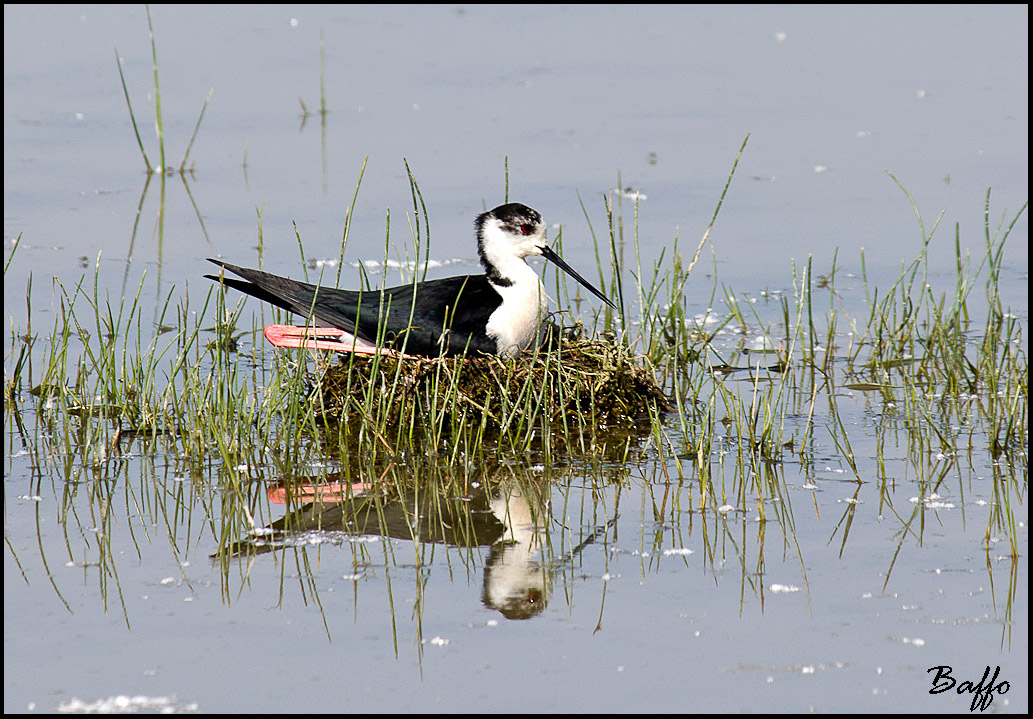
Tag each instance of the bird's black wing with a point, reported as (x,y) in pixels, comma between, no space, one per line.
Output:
(450,314)
(459,307)
(324,303)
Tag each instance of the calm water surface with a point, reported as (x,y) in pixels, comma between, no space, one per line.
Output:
(634,609)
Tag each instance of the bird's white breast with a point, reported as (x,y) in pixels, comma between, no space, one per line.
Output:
(515,325)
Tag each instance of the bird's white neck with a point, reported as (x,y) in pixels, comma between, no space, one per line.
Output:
(515,325)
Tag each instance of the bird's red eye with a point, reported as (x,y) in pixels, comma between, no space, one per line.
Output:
(527,229)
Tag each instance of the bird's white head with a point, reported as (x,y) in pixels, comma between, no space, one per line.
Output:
(508,234)
(505,236)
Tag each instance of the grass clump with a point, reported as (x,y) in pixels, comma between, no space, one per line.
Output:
(571,380)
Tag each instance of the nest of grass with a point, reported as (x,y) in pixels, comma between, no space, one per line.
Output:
(571,380)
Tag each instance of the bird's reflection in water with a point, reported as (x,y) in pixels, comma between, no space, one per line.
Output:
(516,581)
(509,515)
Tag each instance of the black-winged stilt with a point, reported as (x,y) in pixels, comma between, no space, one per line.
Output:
(499,312)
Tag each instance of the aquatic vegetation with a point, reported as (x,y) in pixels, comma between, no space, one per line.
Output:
(713,418)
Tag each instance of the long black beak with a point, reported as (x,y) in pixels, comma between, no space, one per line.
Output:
(552,257)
